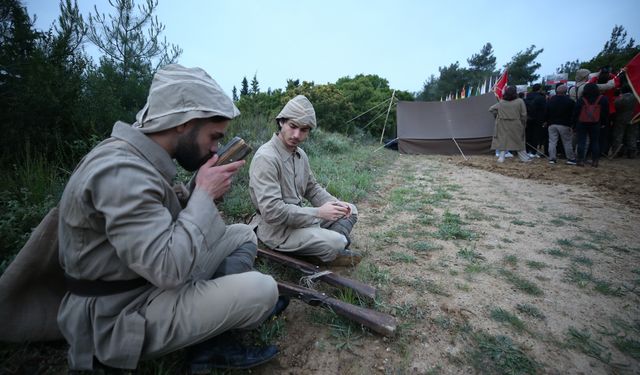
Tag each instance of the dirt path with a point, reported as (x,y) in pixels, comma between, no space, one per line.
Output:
(487,272)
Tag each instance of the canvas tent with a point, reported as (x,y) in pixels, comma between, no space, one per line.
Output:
(431,127)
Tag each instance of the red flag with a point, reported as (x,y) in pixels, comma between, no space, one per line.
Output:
(633,77)
(500,85)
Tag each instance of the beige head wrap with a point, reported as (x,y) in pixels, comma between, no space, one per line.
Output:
(300,110)
(180,94)
(582,75)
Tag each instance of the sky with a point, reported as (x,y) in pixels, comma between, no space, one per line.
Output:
(403,41)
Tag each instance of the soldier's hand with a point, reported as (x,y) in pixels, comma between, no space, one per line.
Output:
(333,211)
(216,181)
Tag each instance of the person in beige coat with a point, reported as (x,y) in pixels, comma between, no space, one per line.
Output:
(280,179)
(148,274)
(511,119)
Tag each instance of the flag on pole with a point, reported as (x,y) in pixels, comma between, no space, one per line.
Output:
(500,85)
(633,77)
(469,89)
(462,92)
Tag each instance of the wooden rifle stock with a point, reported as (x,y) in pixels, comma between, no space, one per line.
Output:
(310,269)
(379,322)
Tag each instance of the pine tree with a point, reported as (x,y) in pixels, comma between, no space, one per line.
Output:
(244,87)
(255,87)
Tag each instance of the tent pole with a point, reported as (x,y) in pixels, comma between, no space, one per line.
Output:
(459,149)
(391,141)
(388,110)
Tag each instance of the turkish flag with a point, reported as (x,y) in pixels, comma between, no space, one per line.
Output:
(633,77)
(500,85)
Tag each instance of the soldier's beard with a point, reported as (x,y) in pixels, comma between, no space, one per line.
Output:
(188,153)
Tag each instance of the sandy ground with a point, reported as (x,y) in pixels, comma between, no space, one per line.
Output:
(487,268)
(547,280)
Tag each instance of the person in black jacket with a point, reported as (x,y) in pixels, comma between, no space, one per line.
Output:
(589,123)
(536,106)
(558,118)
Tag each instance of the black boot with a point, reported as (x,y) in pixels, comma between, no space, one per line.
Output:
(226,352)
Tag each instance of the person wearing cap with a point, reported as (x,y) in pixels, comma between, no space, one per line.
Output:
(146,273)
(280,178)
(582,78)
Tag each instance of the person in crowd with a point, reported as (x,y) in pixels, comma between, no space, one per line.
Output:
(280,180)
(623,129)
(511,116)
(148,274)
(590,114)
(582,78)
(536,106)
(558,117)
(606,133)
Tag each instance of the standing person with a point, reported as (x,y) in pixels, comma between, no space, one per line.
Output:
(606,133)
(280,178)
(511,116)
(558,118)
(146,276)
(536,103)
(582,78)
(623,129)
(590,115)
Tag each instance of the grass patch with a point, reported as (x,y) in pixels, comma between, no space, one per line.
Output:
(511,260)
(582,341)
(536,265)
(557,222)
(608,289)
(500,355)
(424,246)
(570,218)
(503,316)
(530,310)
(564,242)
(557,253)
(576,276)
(403,257)
(371,273)
(476,268)
(476,215)
(451,228)
(581,259)
(470,255)
(523,223)
(521,283)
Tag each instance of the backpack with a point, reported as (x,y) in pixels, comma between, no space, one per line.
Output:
(590,112)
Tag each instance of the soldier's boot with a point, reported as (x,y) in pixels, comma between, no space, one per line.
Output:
(225,351)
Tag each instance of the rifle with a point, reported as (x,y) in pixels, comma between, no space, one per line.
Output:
(379,322)
(310,269)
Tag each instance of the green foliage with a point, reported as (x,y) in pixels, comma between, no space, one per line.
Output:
(27,193)
(522,66)
(615,53)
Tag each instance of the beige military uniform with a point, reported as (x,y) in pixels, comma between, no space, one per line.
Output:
(279,180)
(119,220)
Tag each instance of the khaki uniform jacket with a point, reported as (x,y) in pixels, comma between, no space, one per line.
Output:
(511,119)
(278,182)
(120,219)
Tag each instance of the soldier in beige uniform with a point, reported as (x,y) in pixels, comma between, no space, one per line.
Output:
(280,178)
(147,275)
